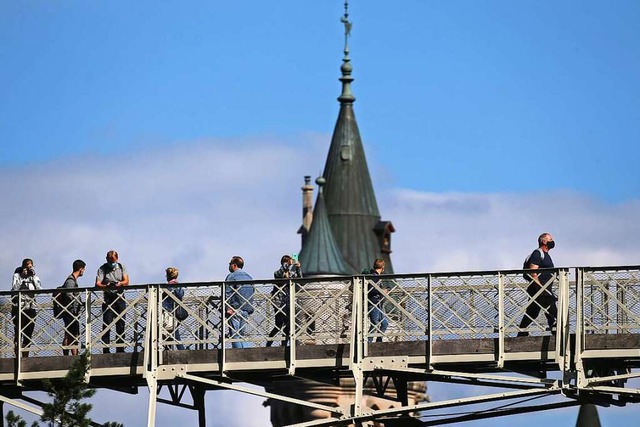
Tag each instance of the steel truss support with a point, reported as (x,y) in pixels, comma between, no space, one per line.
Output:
(375,415)
(230,386)
(13,402)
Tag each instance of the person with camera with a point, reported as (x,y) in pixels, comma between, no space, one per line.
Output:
(24,312)
(72,308)
(289,269)
(112,277)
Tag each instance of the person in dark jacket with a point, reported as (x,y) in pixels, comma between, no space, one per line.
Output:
(544,300)
(289,269)
(377,318)
(72,309)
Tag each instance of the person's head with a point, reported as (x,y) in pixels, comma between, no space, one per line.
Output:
(112,257)
(378,265)
(26,269)
(172,274)
(79,266)
(236,263)
(286,259)
(545,241)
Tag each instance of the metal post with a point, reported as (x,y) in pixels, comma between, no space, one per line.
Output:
(429,323)
(197,394)
(152,383)
(18,339)
(357,338)
(577,357)
(292,327)
(151,356)
(224,326)
(501,330)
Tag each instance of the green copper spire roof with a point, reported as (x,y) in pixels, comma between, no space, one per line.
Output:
(320,254)
(348,196)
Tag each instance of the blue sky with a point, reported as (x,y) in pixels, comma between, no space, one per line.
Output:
(484,122)
(464,95)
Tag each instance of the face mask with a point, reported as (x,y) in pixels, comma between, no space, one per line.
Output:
(551,244)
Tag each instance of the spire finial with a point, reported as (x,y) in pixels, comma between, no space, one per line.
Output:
(347,27)
(346,96)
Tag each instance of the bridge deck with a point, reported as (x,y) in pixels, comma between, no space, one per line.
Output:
(440,326)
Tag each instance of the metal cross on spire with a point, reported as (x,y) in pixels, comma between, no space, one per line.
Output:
(347,25)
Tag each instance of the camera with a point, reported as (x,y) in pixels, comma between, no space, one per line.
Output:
(28,272)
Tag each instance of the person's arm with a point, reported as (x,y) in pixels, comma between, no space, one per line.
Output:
(36,282)
(124,281)
(534,276)
(280,273)
(15,285)
(100,279)
(228,296)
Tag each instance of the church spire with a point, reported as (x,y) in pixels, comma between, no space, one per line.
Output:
(346,97)
(349,234)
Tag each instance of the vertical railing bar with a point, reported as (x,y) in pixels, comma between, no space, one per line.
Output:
(580,332)
(429,322)
(18,339)
(501,329)
(224,326)
(292,327)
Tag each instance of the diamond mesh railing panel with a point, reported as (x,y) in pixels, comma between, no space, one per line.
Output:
(406,305)
(203,325)
(464,307)
(521,295)
(611,301)
(323,311)
(134,303)
(7,329)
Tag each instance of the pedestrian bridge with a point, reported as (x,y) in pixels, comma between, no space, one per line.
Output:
(457,327)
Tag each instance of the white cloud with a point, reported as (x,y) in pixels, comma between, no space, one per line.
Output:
(194,205)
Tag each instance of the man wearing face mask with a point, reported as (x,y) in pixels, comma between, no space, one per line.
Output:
(112,276)
(540,258)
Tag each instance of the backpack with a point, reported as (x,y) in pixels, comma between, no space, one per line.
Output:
(525,264)
(59,303)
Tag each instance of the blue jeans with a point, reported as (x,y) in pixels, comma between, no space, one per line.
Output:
(237,324)
(176,336)
(379,322)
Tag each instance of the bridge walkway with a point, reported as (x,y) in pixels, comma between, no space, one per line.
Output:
(457,327)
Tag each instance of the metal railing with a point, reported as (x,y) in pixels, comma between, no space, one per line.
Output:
(417,307)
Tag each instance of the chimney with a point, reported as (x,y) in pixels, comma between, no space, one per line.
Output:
(307,208)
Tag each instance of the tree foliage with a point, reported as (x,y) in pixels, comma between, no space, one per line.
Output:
(67,408)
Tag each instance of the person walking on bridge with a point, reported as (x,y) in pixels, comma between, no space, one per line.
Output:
(545,300)
(112,277)
(239,300)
